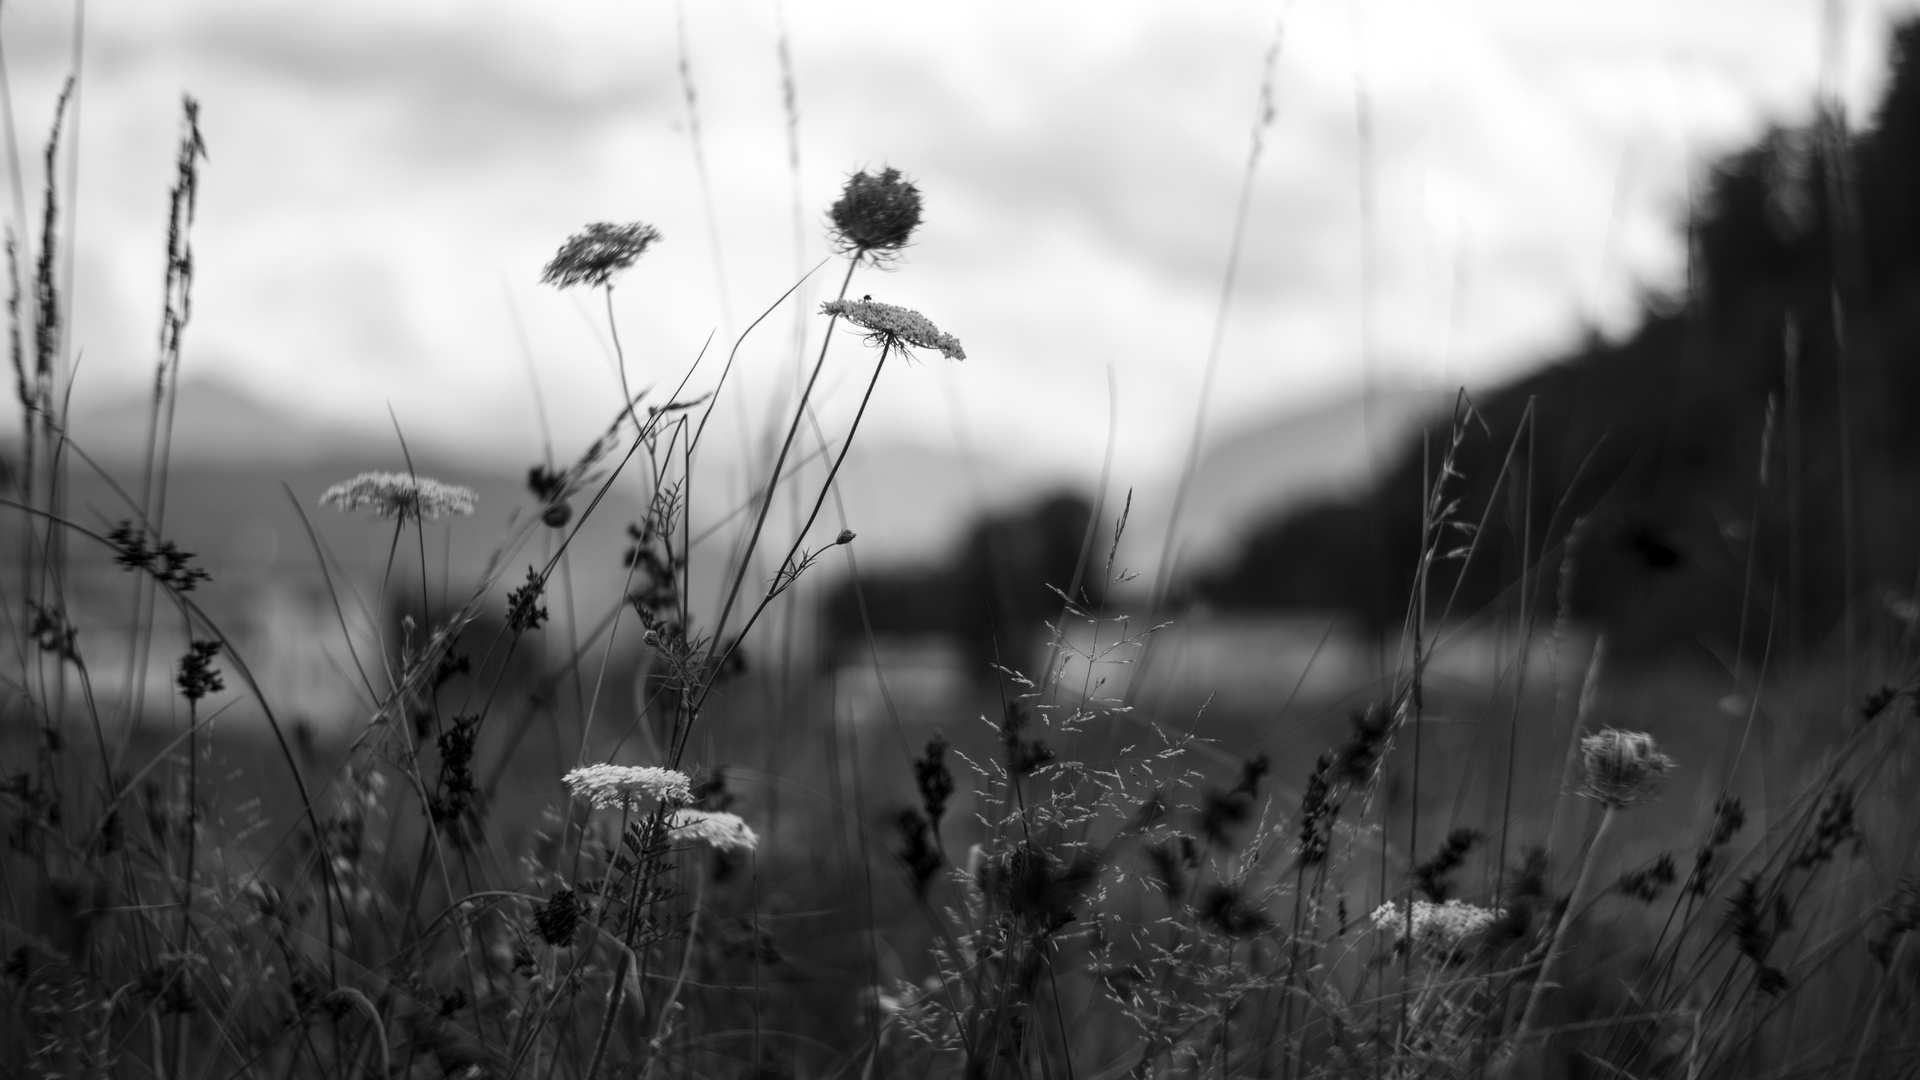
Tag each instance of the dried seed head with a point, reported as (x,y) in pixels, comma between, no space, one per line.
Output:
(1623,768)
(400,495)
(594,256)
(558,918)
(875,215)
(895,327)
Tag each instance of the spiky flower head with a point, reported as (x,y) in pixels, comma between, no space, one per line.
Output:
(400,495)
(1622,767)
(889,326)
(1436,928)
(594,256)
(718,829)
(559,918)
(875,215)
(620,787)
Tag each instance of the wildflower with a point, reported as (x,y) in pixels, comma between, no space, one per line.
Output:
(593,257)
(616,787)
(875,215)
(895,327)
(722,831)
(400,495)
(1623,768)
(558,918)
(1437,928)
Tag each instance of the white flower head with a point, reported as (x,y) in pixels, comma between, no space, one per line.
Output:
(1437,928)
(895,326)
(1622,767)
(620,787)
(722,831)
(400,495)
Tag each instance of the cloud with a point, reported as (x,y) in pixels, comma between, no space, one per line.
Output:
(379,170)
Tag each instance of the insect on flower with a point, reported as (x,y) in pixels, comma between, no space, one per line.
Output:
(894,327)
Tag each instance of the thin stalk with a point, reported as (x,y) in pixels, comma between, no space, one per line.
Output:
(1582,893)
(792,552)
(780,460)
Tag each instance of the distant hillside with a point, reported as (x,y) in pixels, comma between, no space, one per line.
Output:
(1713,454)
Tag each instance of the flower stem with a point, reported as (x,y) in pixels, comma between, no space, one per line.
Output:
(792,552)
(780,461)
(1555,947)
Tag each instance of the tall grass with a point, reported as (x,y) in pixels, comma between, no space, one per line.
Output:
(1071,889)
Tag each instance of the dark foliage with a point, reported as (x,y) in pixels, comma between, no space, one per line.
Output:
(1723,409)
(993,599)
(1431,876)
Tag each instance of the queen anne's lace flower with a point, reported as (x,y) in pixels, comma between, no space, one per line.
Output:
(594,256)
(725,832)
(876,215)
(400,495)
(895,326)
(1438,928)
(618,787)
(1623,767)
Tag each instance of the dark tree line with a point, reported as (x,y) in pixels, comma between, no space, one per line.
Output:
(1744,467)
(993,598)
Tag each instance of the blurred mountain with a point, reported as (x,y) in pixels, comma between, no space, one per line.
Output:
(213,424)
(1326,451)
(1738,473)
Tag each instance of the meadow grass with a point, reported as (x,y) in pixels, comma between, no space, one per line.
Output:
(1075,886)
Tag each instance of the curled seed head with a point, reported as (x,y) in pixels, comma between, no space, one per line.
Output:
(1623,768)
(592,257)
(875,215)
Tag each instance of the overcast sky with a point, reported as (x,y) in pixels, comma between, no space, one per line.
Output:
(386,180)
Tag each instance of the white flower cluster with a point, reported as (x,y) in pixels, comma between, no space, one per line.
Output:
(722,831)
(1438,928)
(895,325)
(618,787)
(1623,767)
(400,495)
